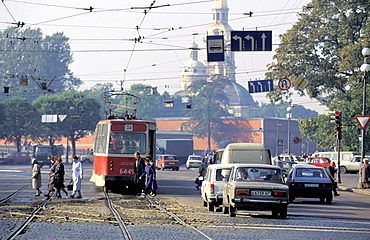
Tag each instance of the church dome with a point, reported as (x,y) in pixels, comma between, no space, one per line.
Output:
(239,96)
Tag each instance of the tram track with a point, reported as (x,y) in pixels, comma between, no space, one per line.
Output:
(14,194)
(126,212)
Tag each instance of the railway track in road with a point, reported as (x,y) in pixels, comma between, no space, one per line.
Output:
(130,214)
(14,194)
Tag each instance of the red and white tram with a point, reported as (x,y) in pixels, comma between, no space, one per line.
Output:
(115,142)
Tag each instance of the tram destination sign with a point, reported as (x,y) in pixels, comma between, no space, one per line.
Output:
(251,40)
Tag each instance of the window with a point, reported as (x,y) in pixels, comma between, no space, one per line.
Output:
(128,143)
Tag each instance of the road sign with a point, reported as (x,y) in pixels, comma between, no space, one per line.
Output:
(261,86)
(251,40)
(296,140)
(301,83)
(280,142)
(363,121)
(215,48)
(284,84)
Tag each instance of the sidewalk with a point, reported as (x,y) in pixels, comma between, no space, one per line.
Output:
(349,183)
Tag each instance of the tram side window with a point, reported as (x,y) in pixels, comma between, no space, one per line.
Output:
(123,142)
(101,139)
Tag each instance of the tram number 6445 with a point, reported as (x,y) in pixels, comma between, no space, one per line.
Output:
(126,171)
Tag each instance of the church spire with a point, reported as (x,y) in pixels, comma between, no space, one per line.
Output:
(220,11)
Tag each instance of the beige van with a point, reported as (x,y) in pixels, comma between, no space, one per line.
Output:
(244,153)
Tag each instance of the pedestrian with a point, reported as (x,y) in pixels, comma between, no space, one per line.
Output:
(77,176)
(332,170)
(150,176)
(201,173)
(36,177)
(51,177)
(59,176)
(365,173)
(139,169)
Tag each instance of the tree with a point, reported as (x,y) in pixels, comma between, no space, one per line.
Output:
(19,120)
(324,47)
(209,106)
(279,111)
(82,115)
(26,54)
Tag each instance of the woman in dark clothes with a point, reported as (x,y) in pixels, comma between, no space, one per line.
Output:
(59,176)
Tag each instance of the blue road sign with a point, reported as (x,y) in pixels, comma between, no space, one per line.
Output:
(215,48)
(251,40)
(261,86)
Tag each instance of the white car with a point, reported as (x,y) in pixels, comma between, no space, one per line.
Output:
(213,184)
(194,161)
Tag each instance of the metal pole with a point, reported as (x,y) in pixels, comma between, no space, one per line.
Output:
(289,133)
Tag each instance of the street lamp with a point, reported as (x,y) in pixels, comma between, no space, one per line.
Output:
(289,116)
(366,69)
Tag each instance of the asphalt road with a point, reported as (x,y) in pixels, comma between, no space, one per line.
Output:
(179,185)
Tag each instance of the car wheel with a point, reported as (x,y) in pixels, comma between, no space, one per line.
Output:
(275,212)
(86,160)
(232,211)
(343,169)
(291,198)
(322,200)
(283,211)
(187,168)
(163,169)
(11,162)
(177,169)
(210,206)
(329,199)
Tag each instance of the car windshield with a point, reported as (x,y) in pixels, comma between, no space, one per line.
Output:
(170,158)
(310,172)
(258,174)
(195,158)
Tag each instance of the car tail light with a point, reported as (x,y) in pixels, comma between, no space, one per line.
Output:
(242,192)
(211,188)
(297,184)
(279,193)
(327,185)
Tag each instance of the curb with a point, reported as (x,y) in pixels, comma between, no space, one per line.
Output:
(355,190)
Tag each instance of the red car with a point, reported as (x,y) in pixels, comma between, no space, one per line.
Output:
(168,161)
(17,158)
(318,161)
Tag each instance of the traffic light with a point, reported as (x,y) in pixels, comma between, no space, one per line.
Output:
(338,122)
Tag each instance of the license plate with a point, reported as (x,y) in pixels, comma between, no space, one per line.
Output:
(311,185)
(260,193)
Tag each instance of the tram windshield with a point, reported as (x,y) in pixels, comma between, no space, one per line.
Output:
(124,142)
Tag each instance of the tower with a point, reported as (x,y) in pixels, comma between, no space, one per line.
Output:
(192,70)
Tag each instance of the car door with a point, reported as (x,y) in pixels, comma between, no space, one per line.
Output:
(354,164)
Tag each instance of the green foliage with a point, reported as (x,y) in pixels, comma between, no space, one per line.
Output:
(279,111)
(82,114)
(209,106)
(19,120)
(324,47)
(25,53)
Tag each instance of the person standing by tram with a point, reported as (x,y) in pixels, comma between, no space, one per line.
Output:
(77,176)
(139,169)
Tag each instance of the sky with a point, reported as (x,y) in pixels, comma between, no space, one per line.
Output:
(104,49)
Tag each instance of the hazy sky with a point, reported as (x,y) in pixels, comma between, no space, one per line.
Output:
(104,50)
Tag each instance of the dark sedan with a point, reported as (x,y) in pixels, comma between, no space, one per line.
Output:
(309,181)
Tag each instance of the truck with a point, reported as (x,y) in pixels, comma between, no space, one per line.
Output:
(42,153)
(182,148)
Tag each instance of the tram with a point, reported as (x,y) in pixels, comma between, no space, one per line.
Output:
(116,140)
